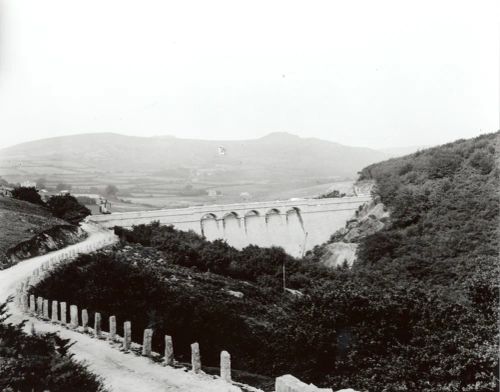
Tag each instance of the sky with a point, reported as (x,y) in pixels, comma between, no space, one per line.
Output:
(359,72)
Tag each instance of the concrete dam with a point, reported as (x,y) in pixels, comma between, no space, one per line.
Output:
(295,225)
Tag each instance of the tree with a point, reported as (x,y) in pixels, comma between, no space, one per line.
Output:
(111,191)
(67,207)
(29,194)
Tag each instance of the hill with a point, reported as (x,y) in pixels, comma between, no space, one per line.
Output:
(417,311)
(108,152)
(145,167)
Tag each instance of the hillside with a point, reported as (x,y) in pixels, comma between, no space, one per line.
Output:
(28,229)
(417,311)
(444,211)
(108,152)
(159,170)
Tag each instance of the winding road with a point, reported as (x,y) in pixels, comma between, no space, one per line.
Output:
(120,372)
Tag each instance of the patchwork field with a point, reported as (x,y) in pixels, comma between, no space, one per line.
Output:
(170,172)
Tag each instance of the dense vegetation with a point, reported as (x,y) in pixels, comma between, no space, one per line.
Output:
(332,194)
(39,362)
(65,207)
(29,194)
(417,312)
(253,264)
(68,208)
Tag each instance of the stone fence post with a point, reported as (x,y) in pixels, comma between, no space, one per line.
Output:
(97,325)
(225,366)
(85,320)
(25,303)
(54,312)
(39,306)
(127,335)
(195,358)
(63,319)
(32,304)
(146,343)
(73,313)
(169,350)
(46,309)
(112,328)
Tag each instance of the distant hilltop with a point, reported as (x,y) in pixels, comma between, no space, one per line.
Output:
(277,154)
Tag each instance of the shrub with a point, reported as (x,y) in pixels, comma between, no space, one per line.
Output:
(39,362)
(29,194)
(67,207)
(482,161)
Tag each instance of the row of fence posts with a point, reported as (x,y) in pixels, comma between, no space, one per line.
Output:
(39,307)
(57,313)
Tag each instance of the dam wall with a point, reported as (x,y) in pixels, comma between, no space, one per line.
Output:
(297,225)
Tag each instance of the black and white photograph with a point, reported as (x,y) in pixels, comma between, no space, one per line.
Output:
(249,196)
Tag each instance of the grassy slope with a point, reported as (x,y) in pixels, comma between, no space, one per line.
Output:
(20,220)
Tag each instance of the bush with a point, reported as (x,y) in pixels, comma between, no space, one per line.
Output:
(29,194)
(67,207)
(111,191)
(332,194)
(40,362)
(188,249)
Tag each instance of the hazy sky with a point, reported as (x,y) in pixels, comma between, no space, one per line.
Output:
(366,73)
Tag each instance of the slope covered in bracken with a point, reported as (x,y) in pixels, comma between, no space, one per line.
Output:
(416,312)
(444,211)
(441,251)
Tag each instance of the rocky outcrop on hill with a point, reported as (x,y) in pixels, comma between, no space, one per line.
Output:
(56,237)
(343,244)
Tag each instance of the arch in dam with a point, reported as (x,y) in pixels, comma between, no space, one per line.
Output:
(249,215)
(295,212)
(208,222)
(228,218)
(252,213)
(272,213)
